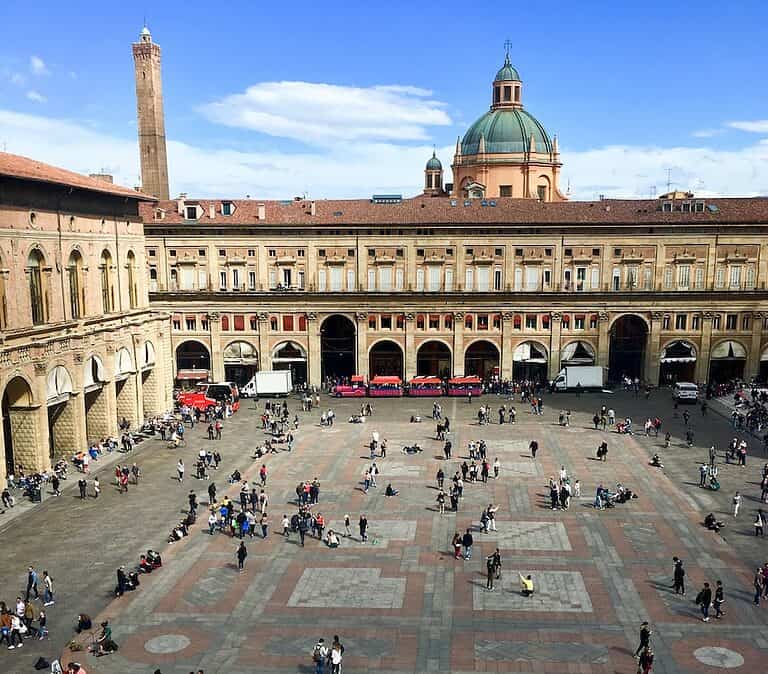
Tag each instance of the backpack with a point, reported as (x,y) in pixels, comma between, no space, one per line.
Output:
(42,663)
(316,654)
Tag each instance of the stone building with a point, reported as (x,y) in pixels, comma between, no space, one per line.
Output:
(663,289)
(79,346)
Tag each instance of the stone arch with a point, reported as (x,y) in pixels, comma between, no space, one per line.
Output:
(529,361)
(97,416)
(434,358)
(386,358)
(628,347)
(292,356)
(578,352)
(151,391)
(338,346)
(20,426)
(482,357)
(677,361)
(727,360)
(241,361)
(618,317)
(289,343)
(148,355)
(193,360)
(63,436)
(123,363)
(58,384)
(126,399)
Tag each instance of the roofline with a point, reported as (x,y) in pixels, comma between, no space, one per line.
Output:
(120,192)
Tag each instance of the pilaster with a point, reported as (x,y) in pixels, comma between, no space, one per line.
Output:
(753,358)
(410,346)
(506,345)
(603,339)
(313,352)
(361,335)
(458,344)
(556,324)
(265,352)
(651,363)
(702,358)
(217,354)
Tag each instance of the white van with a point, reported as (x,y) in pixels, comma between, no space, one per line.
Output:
(685,392)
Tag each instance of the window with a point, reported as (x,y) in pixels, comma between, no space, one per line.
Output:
(287,279)
(386,322)
(507,93)
(566,321)
(420,322)
(176,323)
(350,252)
(76,290)
(548,252)
(272,279)
(190,323)
(735,276)
(617,252)
(497,321)
(400,322)
(201,252)
(483,279)
(172,252)
(253,323)
(731,321)
(302,323)
(321,252)
(420,279)
(665,323)
(336,279)
(469,280)
(433,282)
(497,278)
(745,322)
(698,278)
(578,321)
(545,322)
(581,278)
(498,252)
(385,278)
(371,279)
(750,281)
(541,191)
(225,322)
(174,280)
(695,322)
(595,252)
(434,321)
(152,252)
(518,252)
(153,280)
(107,287)
(593,321)
(468,321)
(568,252)
(518,278)
(204,324)
(191,212)
(133,295)
(300,252)
(517,322)
(273,323)
(681,321)
(684,276)
(272,252)
(400,278)
(632,277)
(287,323)
(594,281)
(371,252)
(531,321)
(482,321)
(720,277)
(251,252)
(716,322)
(505,190)
(321,280)
(419,252)
(235,279)
(251,280)
(470,251)
(226,208)
(449,252)
(448,321)
(372,321)
(222,252)
(531,278)
(351,279)
(222,280)
(616,279)
(669,274)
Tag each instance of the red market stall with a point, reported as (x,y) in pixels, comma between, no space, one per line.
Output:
(425,386)
(461,386)
(355,388)
(385,387)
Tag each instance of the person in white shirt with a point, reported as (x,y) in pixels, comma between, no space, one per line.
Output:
(736,503)
(563,474)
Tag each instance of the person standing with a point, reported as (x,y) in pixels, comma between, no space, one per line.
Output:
(704,600)
(242,553)
(347,526)
(441,502)
(719,599)
(534,447)
(490,572)
(320,656)
(55,484)
(679,577)
(264,524)
(467,541)
(363,526)
(645,638)
(496,468)
(32,582)
(758,585)
(759,523)
(82,485)
(180,470)
(48,599)
(736,503)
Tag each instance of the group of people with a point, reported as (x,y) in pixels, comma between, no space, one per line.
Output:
(26,619)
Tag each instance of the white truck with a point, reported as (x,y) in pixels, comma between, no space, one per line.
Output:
(585,377)
(268,383)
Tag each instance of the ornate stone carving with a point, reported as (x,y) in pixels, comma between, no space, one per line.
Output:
(77,356)
(213,316)
(262,316)
(41,367)
(657,315)
(707,315)
(311,316)
(556,316)
(507,316)
(361,315)
(410,317)
(603,316)
(458,315)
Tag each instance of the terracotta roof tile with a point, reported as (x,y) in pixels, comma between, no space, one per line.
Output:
(438,211)
(15,166)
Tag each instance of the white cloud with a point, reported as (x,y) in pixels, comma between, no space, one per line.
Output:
(17,78)
(707,133)
(36,96)
(37,66)
(755,126)
(359,169)
(323,114)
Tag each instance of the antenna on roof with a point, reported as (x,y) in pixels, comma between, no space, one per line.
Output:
(652,191)
(669,180)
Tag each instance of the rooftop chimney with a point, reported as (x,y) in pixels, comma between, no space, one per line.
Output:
(212,211)
(261,212)
(103,177)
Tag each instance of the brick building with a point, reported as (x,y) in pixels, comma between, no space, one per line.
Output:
(79,346)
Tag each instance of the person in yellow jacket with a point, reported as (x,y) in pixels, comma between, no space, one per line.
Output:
(526,585)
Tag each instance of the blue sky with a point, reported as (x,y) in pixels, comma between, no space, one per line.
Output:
(343,99)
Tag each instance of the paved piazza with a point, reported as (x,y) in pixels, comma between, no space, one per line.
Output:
(400,602)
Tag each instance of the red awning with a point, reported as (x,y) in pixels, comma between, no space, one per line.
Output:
(192,374)
(417,381)
(358,379)
(465,380)
(386,380)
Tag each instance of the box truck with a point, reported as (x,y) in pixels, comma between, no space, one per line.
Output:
(585,377)
(269,383)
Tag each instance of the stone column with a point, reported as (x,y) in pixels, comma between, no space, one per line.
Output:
(603,340)
(652,349)
(753,358)
(265,352)
(69,432)
(138,358)
(314,373)
(217,356)
(702,358)
(507,351)
(410,346)
(556,324)
(458,344)
(361,334)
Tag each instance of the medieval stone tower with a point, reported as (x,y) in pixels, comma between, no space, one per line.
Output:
(149,104)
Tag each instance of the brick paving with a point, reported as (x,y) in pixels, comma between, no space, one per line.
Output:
(400,602)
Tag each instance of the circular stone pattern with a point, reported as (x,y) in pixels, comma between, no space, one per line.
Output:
(168,643)
(716,656)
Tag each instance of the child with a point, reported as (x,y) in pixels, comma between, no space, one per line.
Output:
(286,525)
(577,489)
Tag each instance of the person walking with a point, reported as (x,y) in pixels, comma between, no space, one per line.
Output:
(82,485)
(645,638)
(490,572)
(441,502)
(759,523)
(180,470)
(678,583)
(758,584)
(719,600)
(534,447)
(320,656)
(736,503)
(264,525)
(363,526)
(467,541)
(32,582)
(645,663)
(48,599)
(704,600)
(347,526)
(496,468)
(241,553)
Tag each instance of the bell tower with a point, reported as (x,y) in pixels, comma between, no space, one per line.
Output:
(151,121)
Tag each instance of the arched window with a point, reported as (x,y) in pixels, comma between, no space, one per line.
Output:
(133,296)
(153,279)
(420,321)
(273,323)
(107,287)
(448,321)
(75,280)
(468,321)
(37,294)
(225,322)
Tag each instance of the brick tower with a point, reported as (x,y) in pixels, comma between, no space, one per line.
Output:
(149,105)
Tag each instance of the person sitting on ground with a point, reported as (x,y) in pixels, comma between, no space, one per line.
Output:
(415,419)
(154,559)
(104,643)
(144,565)
(526,585)
(332,539)
(412,449)
(390,491)
(656,461)
(711,522)
(84,623)
(235,477)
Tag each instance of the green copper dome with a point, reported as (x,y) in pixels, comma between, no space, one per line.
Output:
(506,131)
(507,73)
(434,163)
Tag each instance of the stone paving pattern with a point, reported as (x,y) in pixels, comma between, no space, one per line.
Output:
(404,604)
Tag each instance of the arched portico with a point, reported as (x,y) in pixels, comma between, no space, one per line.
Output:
(482,358)
(628,345)
(434,358)
(385,357)
(337,347)
(20,426)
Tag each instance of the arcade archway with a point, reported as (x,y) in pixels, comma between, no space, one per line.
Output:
(629,335)
(19,423)
(678,363)
(482,359)
(291,356)
(241,362)
(385,358)
(337,347)
(727,361)
(61,414)
(98,423)
(433,359)
(193,362)
(529,362)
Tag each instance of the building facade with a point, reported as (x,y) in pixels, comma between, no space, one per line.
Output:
(79,346)
(666,289)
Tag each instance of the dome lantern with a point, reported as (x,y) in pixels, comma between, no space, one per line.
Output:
(433,176)
(507,86)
